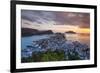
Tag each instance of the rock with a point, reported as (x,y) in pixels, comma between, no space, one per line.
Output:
(58,42)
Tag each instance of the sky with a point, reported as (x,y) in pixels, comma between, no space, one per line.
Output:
(56,21)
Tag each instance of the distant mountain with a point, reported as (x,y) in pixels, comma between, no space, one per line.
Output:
(71,32)
(30,32)
(45,32)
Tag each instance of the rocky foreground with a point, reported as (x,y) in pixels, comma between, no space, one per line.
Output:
(58,42)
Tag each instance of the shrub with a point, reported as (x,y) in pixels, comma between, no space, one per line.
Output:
(46,56)
(73,56)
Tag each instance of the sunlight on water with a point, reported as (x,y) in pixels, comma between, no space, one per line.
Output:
(79,37)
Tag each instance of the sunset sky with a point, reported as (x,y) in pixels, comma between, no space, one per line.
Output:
(56,21)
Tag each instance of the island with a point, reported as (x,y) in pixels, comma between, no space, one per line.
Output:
(70,32)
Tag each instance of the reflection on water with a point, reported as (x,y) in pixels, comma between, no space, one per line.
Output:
(82,38)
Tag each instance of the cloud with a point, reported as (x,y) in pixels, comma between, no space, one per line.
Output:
(80,19)
(57,18)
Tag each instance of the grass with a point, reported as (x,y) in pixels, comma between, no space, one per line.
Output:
(57,55)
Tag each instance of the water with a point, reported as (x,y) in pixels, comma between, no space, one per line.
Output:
(28,40)
(85,39)
(82,38)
